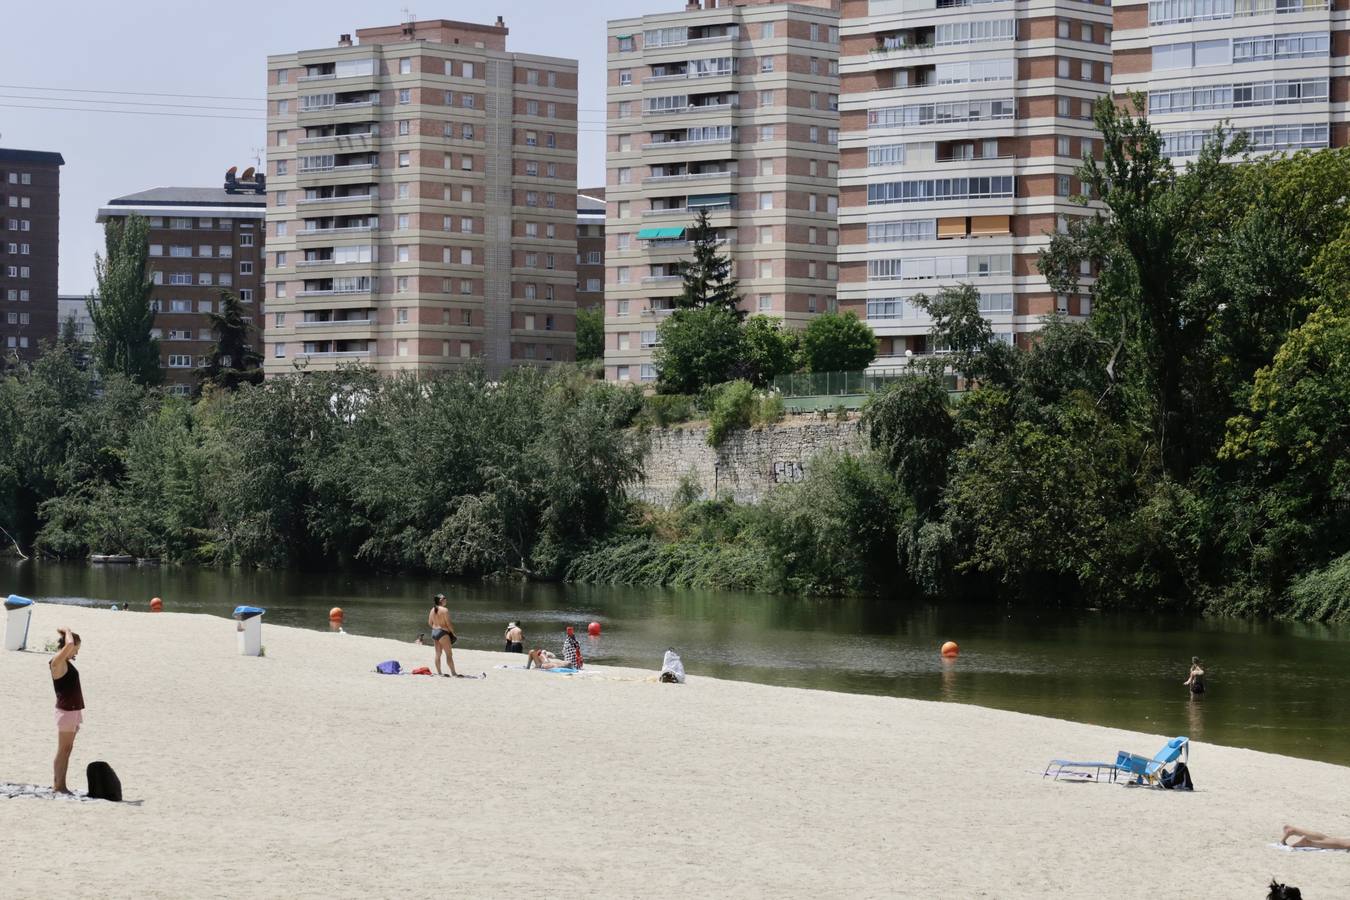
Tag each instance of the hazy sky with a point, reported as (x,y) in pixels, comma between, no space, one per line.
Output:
(66,57)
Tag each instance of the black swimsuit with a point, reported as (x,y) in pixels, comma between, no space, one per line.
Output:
(515,647)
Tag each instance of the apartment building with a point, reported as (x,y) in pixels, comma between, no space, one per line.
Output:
(732,109)
(203,242)
(30,218)
(1272,69)
(423,203)
(590,247)
(74,308)
(963,125)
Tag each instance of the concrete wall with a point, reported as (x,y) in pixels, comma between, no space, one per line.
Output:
(747,466)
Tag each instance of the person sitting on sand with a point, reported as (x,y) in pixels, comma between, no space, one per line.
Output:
(542,659)
(69,703)
(1196,680)
(572,649)
(442,634)
(515,638)
(1312,839)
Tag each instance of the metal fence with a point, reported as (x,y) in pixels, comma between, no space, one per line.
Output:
(843,384)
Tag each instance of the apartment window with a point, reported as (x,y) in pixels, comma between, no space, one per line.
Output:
(1086,72)
(624,344)
(531,107)
(625,76)
(283,167)
(1062,185)
(468,70)
(246,295)
(1085,33)
(625,109)
(766,132)
(625,143)
(404,190)
(401,284)
(622,241)
(405,66)
(401,315)
(1063,29)
(466,289)
(1062,108)
(766,30)
(531,167)
(810,303)
(765,268)
(246,268)
(404,126)
(401,222)
(832,135)
(766,64)
(465,256)
(766,200)
(1062,146)
(466,132)
(625,44)
(404,159)
(466,195)
(622,275)
(468,101)
(1062,68)
(466,225)
(155,250)
(283,107)
(813,135)
(765,303)
(405,96)
(204,278)
(466,163)
(281,232)
(404,253)
(766,98)
(625,176)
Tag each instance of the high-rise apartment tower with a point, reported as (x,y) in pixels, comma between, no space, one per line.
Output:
(422,206)
(963,125)
(1273,69)
(30,218)
(729,108)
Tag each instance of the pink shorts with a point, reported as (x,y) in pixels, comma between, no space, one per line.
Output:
(69,719)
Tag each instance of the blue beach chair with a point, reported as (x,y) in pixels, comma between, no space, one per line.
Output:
(1137,769)
(1142,770)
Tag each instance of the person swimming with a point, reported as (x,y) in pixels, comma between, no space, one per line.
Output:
(515,637)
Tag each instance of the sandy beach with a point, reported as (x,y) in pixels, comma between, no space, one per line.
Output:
(304,774)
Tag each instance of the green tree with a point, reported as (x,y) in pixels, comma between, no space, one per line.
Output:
(699,347)
(120,308)
(707,276)
(838,342)
(768,350)
(590,333)
(233,361)
(966,335)
(1148,252)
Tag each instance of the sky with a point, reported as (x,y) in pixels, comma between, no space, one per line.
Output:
(62,61)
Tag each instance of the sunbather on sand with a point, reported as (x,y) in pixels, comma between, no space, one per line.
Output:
(544,660)
(1316,839)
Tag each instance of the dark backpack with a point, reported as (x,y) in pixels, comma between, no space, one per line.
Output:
(1179,779)
(103,782)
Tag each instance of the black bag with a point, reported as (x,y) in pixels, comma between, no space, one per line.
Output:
(1179,779)
(103,782)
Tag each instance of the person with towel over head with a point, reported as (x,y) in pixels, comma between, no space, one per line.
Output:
(572,650)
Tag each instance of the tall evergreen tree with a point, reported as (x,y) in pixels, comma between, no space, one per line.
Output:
(121,309)
(707,277)
(233,360)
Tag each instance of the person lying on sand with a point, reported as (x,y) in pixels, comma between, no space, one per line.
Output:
(544,660)
(1314,839)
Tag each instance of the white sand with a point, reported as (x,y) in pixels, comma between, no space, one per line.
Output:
(303,774)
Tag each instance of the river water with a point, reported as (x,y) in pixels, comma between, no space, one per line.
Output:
(1274,686)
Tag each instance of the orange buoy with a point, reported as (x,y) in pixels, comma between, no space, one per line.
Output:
(593,629)
(335,614)
(950,650)
(156,604)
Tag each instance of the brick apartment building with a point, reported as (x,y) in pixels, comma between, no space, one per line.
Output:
(203,241)
(963,125)
(590,247)
(1275,70)
(30,219)
(423,202)
(730,108)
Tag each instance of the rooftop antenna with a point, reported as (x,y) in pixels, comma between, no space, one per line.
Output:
(409,22)
(258,156)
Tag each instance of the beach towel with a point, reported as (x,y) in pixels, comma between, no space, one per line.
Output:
(1287,848)
(389,667)
(11,791)
(420,670)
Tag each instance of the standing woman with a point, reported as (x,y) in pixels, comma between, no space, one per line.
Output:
(69,703)
(1196,680)
(442,634)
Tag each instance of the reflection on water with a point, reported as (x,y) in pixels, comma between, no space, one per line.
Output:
(1272,685)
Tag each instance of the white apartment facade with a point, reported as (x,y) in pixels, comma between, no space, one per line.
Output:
(422,212)
(963,124)
(1273,69)
(731,109)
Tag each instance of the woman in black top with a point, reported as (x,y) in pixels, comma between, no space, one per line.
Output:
(1196,680)
(69,703)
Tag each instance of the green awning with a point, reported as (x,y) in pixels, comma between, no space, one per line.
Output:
(660,234)
(709,200)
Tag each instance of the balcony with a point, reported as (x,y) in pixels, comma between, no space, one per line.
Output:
(688,176)
(330,233)
(346,198)
(336,292)
(662,279)
(338,354)
(675,145)
(657,213)
(361,140)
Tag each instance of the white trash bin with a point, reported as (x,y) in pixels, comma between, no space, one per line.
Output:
(250,629)
(18,613)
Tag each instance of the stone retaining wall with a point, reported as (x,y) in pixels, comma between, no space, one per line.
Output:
(747,466)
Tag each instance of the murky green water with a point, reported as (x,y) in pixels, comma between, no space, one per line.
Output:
(1273,686)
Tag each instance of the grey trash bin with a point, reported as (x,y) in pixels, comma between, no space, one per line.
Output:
(18,614)
(250,629)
